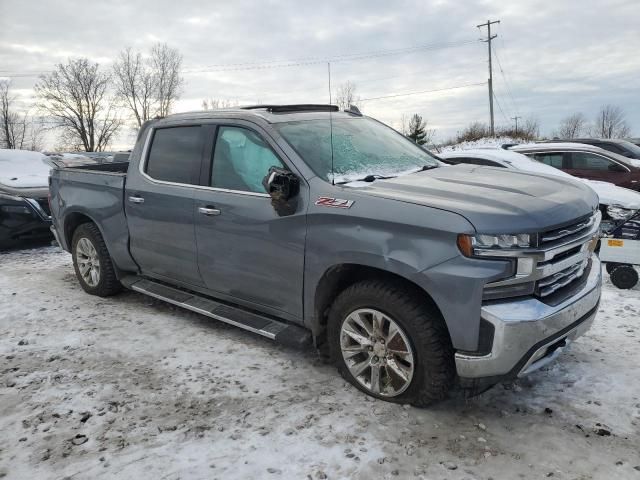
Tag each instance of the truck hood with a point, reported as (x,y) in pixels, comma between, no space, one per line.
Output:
(494,200)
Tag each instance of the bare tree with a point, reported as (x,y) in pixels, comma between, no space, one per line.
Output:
(404,121)
(13,124)
(610,123)
(148,86)
(17,129)
(216,103)
(346,95)
(572,126)
(166,63)
(76,95)
(474,131)
(136,84)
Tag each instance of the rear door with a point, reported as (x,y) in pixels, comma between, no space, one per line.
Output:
(159,204)
(247,252)
(597,167)
(557,160)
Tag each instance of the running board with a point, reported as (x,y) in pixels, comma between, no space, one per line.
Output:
(281,332)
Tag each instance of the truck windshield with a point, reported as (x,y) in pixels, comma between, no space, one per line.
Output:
(362,147)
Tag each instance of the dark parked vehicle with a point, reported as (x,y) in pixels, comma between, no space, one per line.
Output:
(586,161)
(305,224)
(621,147)
(24,206)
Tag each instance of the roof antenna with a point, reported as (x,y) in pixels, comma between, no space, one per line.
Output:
(333,175)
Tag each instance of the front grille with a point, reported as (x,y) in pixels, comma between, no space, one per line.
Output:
(561,279)
(630,230)
(575,270)
(569,232)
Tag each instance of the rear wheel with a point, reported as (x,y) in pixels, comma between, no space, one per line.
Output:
(390,344)
(624,277)
(92,262)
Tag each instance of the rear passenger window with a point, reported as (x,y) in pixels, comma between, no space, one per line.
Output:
(589,161)
(551,159)
(241,160)
(176,154)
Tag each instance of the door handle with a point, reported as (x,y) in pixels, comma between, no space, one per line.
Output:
(209,212)
(134,199)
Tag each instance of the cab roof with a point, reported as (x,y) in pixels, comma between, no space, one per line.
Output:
(271,113)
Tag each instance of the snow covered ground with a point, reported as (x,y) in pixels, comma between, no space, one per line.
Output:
(130,387)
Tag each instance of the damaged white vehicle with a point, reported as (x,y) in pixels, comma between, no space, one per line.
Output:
(616,203)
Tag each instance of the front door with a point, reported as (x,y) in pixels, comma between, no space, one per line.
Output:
(159,205)
(247,252)
(597,167)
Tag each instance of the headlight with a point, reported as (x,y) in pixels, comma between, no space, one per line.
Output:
(11,205)
(616,212)
(469,244)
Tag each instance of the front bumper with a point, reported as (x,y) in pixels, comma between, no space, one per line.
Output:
(22,219)
(528,333)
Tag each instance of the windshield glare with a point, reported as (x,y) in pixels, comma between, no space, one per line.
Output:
(361,147)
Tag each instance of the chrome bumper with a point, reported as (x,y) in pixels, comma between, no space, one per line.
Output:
(529,333)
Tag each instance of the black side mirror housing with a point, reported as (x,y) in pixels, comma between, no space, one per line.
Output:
(281,184)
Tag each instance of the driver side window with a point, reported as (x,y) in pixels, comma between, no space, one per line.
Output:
(241,160)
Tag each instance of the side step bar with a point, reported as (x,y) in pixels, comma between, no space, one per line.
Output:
(279,331)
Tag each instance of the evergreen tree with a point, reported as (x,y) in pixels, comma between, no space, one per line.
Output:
(417,128)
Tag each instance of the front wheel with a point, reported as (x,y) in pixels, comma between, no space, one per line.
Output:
(92,262)
(391,344)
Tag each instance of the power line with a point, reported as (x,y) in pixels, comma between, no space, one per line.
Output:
(504,78)
(500,107)
(423,91)
(322,60)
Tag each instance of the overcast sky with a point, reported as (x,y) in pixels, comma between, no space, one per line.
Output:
(558,57)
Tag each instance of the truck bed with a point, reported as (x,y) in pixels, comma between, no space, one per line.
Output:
(92,193)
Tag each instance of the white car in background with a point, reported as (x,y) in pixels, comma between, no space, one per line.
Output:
(616,203)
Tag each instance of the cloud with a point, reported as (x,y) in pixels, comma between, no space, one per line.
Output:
(551,58)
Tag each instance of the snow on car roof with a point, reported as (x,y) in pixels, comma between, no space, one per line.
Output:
(23,169)
(568,146)
(608,193)
(513,159)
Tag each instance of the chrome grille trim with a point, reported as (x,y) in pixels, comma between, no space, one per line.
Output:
(561,279)
(554,235)
(571,247)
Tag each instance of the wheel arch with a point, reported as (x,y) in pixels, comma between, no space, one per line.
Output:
(337,278)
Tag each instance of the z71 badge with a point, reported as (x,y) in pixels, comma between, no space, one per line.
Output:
(334,202)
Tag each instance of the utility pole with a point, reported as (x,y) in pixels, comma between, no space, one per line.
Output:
(516,119)
(488,41)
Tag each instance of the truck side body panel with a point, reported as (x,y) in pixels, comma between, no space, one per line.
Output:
(97,195)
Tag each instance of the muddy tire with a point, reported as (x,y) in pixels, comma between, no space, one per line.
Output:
(92,262)
(391,344)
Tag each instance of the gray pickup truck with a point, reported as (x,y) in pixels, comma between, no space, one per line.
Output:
(308,225)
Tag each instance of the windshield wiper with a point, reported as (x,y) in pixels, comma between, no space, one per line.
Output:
(368,178)
(424,168)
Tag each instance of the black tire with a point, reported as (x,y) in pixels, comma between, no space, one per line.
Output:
(610,266)
(434,368)
(624,277)
(108,283)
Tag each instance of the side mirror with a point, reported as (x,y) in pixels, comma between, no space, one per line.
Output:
(281,184)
